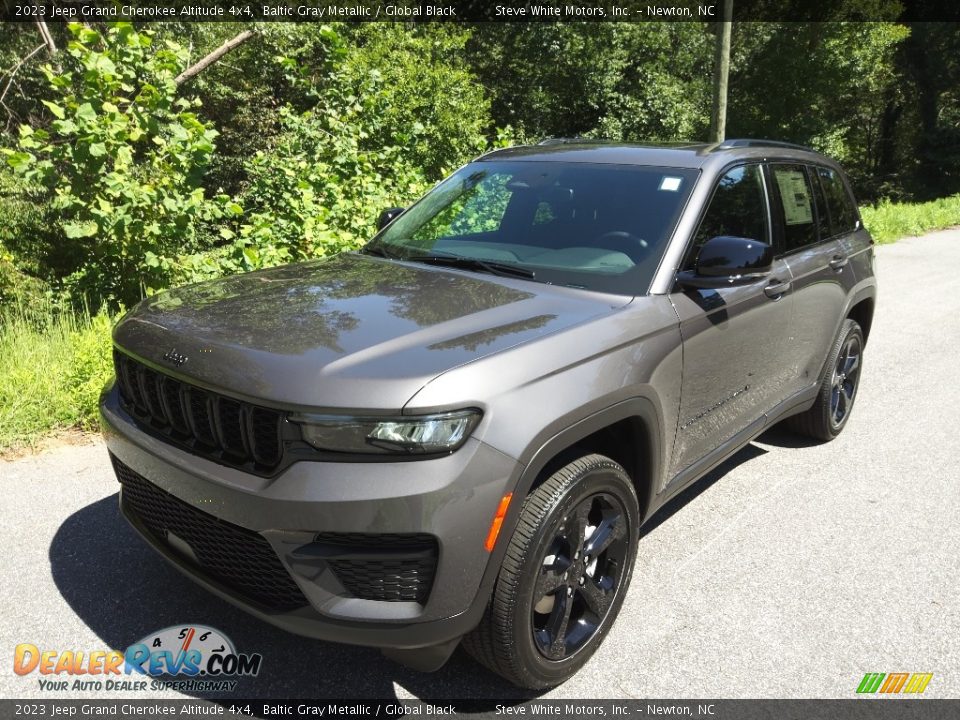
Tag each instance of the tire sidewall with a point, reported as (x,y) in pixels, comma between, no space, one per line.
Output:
(600,478)
(850,328)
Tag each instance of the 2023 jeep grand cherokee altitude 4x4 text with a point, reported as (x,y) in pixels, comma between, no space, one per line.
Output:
(456,432)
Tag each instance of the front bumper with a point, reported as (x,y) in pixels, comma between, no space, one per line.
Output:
(453,499)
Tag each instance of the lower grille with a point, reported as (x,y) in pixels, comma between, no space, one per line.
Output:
(390,567)
(237,558)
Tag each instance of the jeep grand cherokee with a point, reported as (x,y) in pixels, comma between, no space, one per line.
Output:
(456,432)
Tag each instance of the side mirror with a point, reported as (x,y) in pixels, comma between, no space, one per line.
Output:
(725,260)
(387,216)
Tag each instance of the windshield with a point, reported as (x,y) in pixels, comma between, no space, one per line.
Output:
(593,226)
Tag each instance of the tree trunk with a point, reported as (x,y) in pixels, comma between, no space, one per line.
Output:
(721,75)
(210,59)
(47,37)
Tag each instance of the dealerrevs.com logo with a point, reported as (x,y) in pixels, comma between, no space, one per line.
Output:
(182,657)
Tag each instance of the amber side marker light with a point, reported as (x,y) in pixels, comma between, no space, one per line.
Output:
(497,522)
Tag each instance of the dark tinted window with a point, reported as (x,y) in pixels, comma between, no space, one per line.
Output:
(738,208)
(796,206)
(596,226)
(823,217)
(843,214)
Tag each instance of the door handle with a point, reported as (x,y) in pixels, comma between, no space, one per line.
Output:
(776,289)
(839,262)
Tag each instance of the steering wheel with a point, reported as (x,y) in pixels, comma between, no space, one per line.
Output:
(622,241)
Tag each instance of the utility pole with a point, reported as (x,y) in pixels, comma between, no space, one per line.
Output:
(721,74)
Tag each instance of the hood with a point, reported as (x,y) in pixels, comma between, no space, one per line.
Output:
(352,332)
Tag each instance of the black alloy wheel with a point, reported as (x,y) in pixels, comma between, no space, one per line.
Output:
(579,576)
(838,387)
(564,575)
(845,378)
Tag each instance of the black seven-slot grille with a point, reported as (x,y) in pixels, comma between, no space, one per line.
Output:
(221,428)
(237,558)
(391,567)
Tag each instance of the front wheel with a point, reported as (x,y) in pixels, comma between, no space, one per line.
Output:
(564,576)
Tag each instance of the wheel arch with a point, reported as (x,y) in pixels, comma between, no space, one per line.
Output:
(862,313)
(627,432)
(638,421)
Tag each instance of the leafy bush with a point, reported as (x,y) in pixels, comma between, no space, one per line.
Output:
(16,286)
(318,190)
(122,162)
(285,64)
(22,231)
(417,93)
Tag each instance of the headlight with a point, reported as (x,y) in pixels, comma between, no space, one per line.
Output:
(426,434)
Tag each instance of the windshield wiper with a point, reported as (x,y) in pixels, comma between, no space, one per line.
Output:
(379,251)
(468,263)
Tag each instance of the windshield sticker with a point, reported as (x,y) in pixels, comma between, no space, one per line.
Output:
(670,183)
(797,208)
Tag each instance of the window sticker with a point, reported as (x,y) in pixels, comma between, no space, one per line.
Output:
(670,183)
(797,208)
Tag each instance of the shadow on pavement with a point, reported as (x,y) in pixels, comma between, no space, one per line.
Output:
(677,503)
(779,437)
(123,590)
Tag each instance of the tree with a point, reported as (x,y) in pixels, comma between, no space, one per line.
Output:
(819,84)
(721,74)
(120,163)
(630,81)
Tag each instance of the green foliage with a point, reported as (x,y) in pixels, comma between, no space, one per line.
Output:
(630,81)
(285,64)
(16,286)
(417,93)
(21,222)
(889,221)
(317,192)
(122,161)
(827,85)
(51,375)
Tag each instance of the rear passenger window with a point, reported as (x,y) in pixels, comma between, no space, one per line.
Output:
(823,217)
(796,202)
(843,214)
(738,208)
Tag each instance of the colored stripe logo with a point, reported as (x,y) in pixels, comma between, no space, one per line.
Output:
(907,683)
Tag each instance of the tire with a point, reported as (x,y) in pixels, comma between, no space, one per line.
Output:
(548,575)
(838,388)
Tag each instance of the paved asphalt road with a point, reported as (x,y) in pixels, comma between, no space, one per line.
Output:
(790,572)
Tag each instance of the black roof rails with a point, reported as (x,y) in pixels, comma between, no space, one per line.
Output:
(568,141)
(748,142)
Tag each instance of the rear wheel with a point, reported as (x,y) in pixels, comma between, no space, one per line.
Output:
(838,387)
(564,576)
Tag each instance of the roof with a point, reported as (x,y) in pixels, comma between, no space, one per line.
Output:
(679,155)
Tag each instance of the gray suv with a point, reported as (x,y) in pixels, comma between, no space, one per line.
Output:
(456,433)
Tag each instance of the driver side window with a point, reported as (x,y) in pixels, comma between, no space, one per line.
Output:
(738,208)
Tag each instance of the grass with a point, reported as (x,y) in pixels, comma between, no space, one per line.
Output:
(890,221)
(50,375)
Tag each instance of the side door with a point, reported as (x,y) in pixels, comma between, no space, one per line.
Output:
(819,265)
(734,338)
